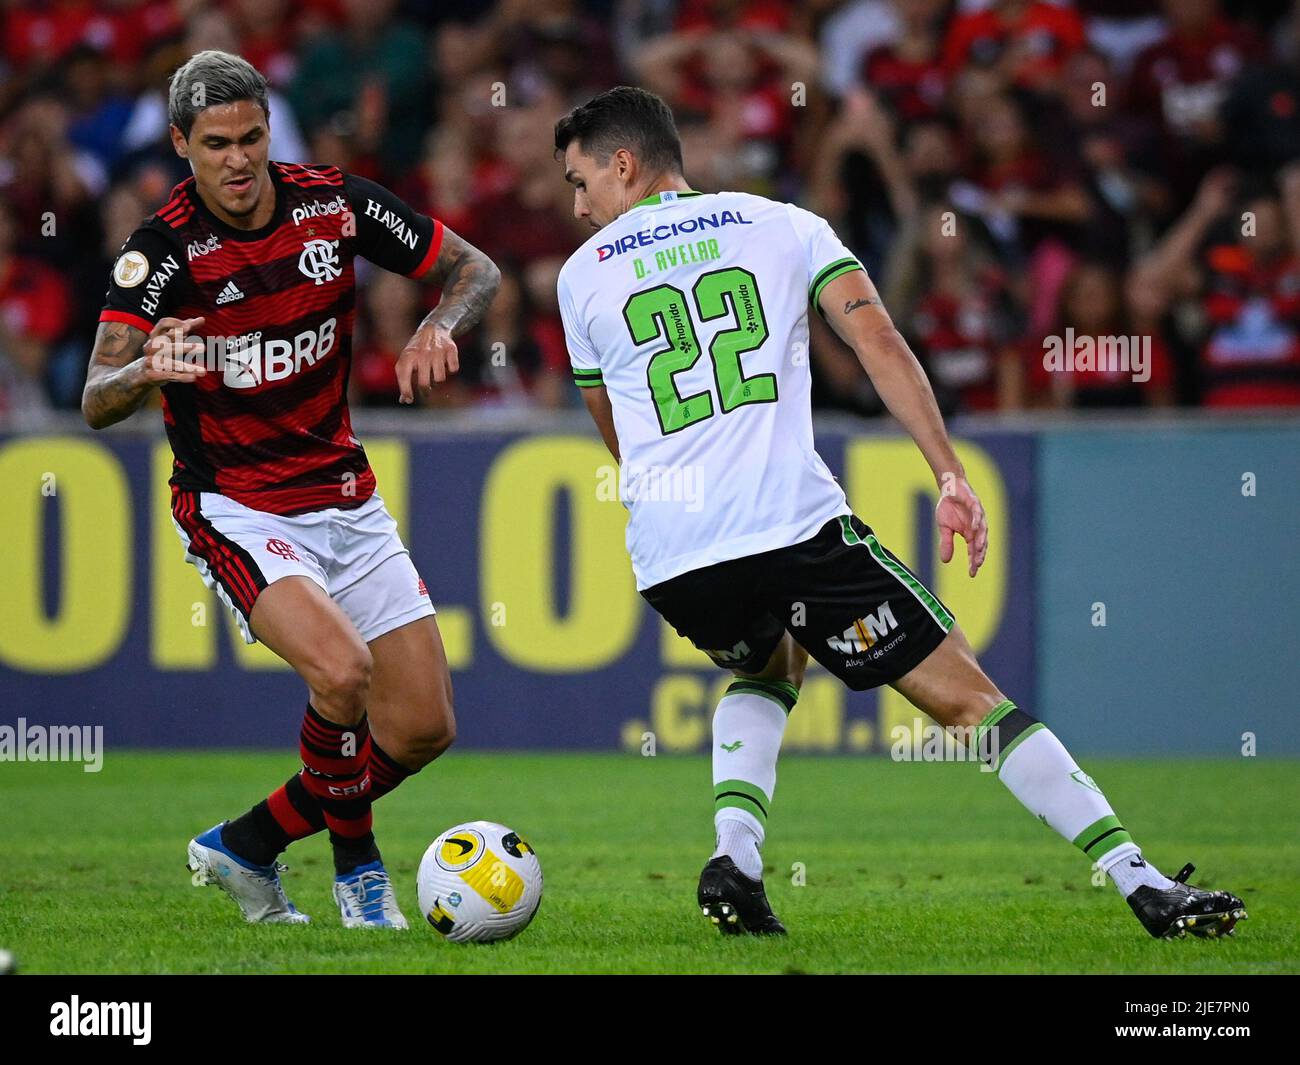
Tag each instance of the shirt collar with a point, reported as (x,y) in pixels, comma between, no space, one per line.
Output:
(670,196)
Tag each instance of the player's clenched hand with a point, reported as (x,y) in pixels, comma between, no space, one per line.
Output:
(171,354)
(959,511)
(425,361)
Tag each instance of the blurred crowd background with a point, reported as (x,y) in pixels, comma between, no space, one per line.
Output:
(1006,169)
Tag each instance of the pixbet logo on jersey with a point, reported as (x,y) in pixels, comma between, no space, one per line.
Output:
(319,209)
(248,361)
(198,248)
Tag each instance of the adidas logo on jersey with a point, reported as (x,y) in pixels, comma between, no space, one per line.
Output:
(229,294)
(863,633)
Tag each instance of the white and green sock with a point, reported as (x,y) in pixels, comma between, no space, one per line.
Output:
(747,730)
(1038,770)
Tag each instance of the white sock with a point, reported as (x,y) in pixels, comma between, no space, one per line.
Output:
(747,730)
(1130,871)
(1038,770)
(741,840)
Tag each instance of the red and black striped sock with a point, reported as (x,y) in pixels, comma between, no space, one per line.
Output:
(336,774)
(292,813)
(385,772)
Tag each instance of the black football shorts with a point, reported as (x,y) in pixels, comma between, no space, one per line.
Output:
(843,596)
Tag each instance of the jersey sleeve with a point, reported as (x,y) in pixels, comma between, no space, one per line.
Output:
(825,254)
(391,233)
(583,359)
(144,284)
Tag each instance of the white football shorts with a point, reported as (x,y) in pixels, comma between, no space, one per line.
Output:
(356,556)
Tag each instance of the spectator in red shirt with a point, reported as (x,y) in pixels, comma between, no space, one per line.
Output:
(391,311)
(715,15)
(952,301)
(908,74)
(50,184)
(1091,134)
(1245,274)
(40,34)
(518,356)
(1180,83)
(35,309)
(268,37)
(1094,327)
(1025,41)
(740,81)
(1022,195)
(443,185)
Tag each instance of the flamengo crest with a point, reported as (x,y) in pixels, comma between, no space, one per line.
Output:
(320,260)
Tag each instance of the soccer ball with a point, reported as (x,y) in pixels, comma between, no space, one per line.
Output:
(479,882)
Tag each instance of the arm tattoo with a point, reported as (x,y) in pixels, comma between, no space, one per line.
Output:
(469,280)
(110,395)
(849,308)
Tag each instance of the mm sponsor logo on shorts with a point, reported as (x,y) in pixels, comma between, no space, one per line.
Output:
(724,657)
(74,1017)
(249,361)
(864,632)
(22,742)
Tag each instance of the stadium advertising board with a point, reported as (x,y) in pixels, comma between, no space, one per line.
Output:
(520,541)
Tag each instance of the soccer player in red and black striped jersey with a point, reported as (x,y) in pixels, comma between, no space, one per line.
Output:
(237,299)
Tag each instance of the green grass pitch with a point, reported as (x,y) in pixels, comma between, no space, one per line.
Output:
(908,868)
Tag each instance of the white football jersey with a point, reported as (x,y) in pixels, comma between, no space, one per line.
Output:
(692,310)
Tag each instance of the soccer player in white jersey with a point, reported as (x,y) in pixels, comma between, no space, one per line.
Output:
(686,317)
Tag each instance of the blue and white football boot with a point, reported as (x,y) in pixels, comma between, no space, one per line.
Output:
(256,888)
(366,900)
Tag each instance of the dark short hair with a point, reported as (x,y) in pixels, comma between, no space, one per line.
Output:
(623,117)
(224,79)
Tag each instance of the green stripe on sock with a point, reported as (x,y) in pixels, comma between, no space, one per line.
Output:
(779,691)
(1101,836)
(1004,755)
(742,795)
(992,718)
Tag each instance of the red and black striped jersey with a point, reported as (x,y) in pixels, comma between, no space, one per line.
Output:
(268,425)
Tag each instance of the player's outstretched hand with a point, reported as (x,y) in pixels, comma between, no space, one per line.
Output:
(959,511)
(171,354)
(427,359)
